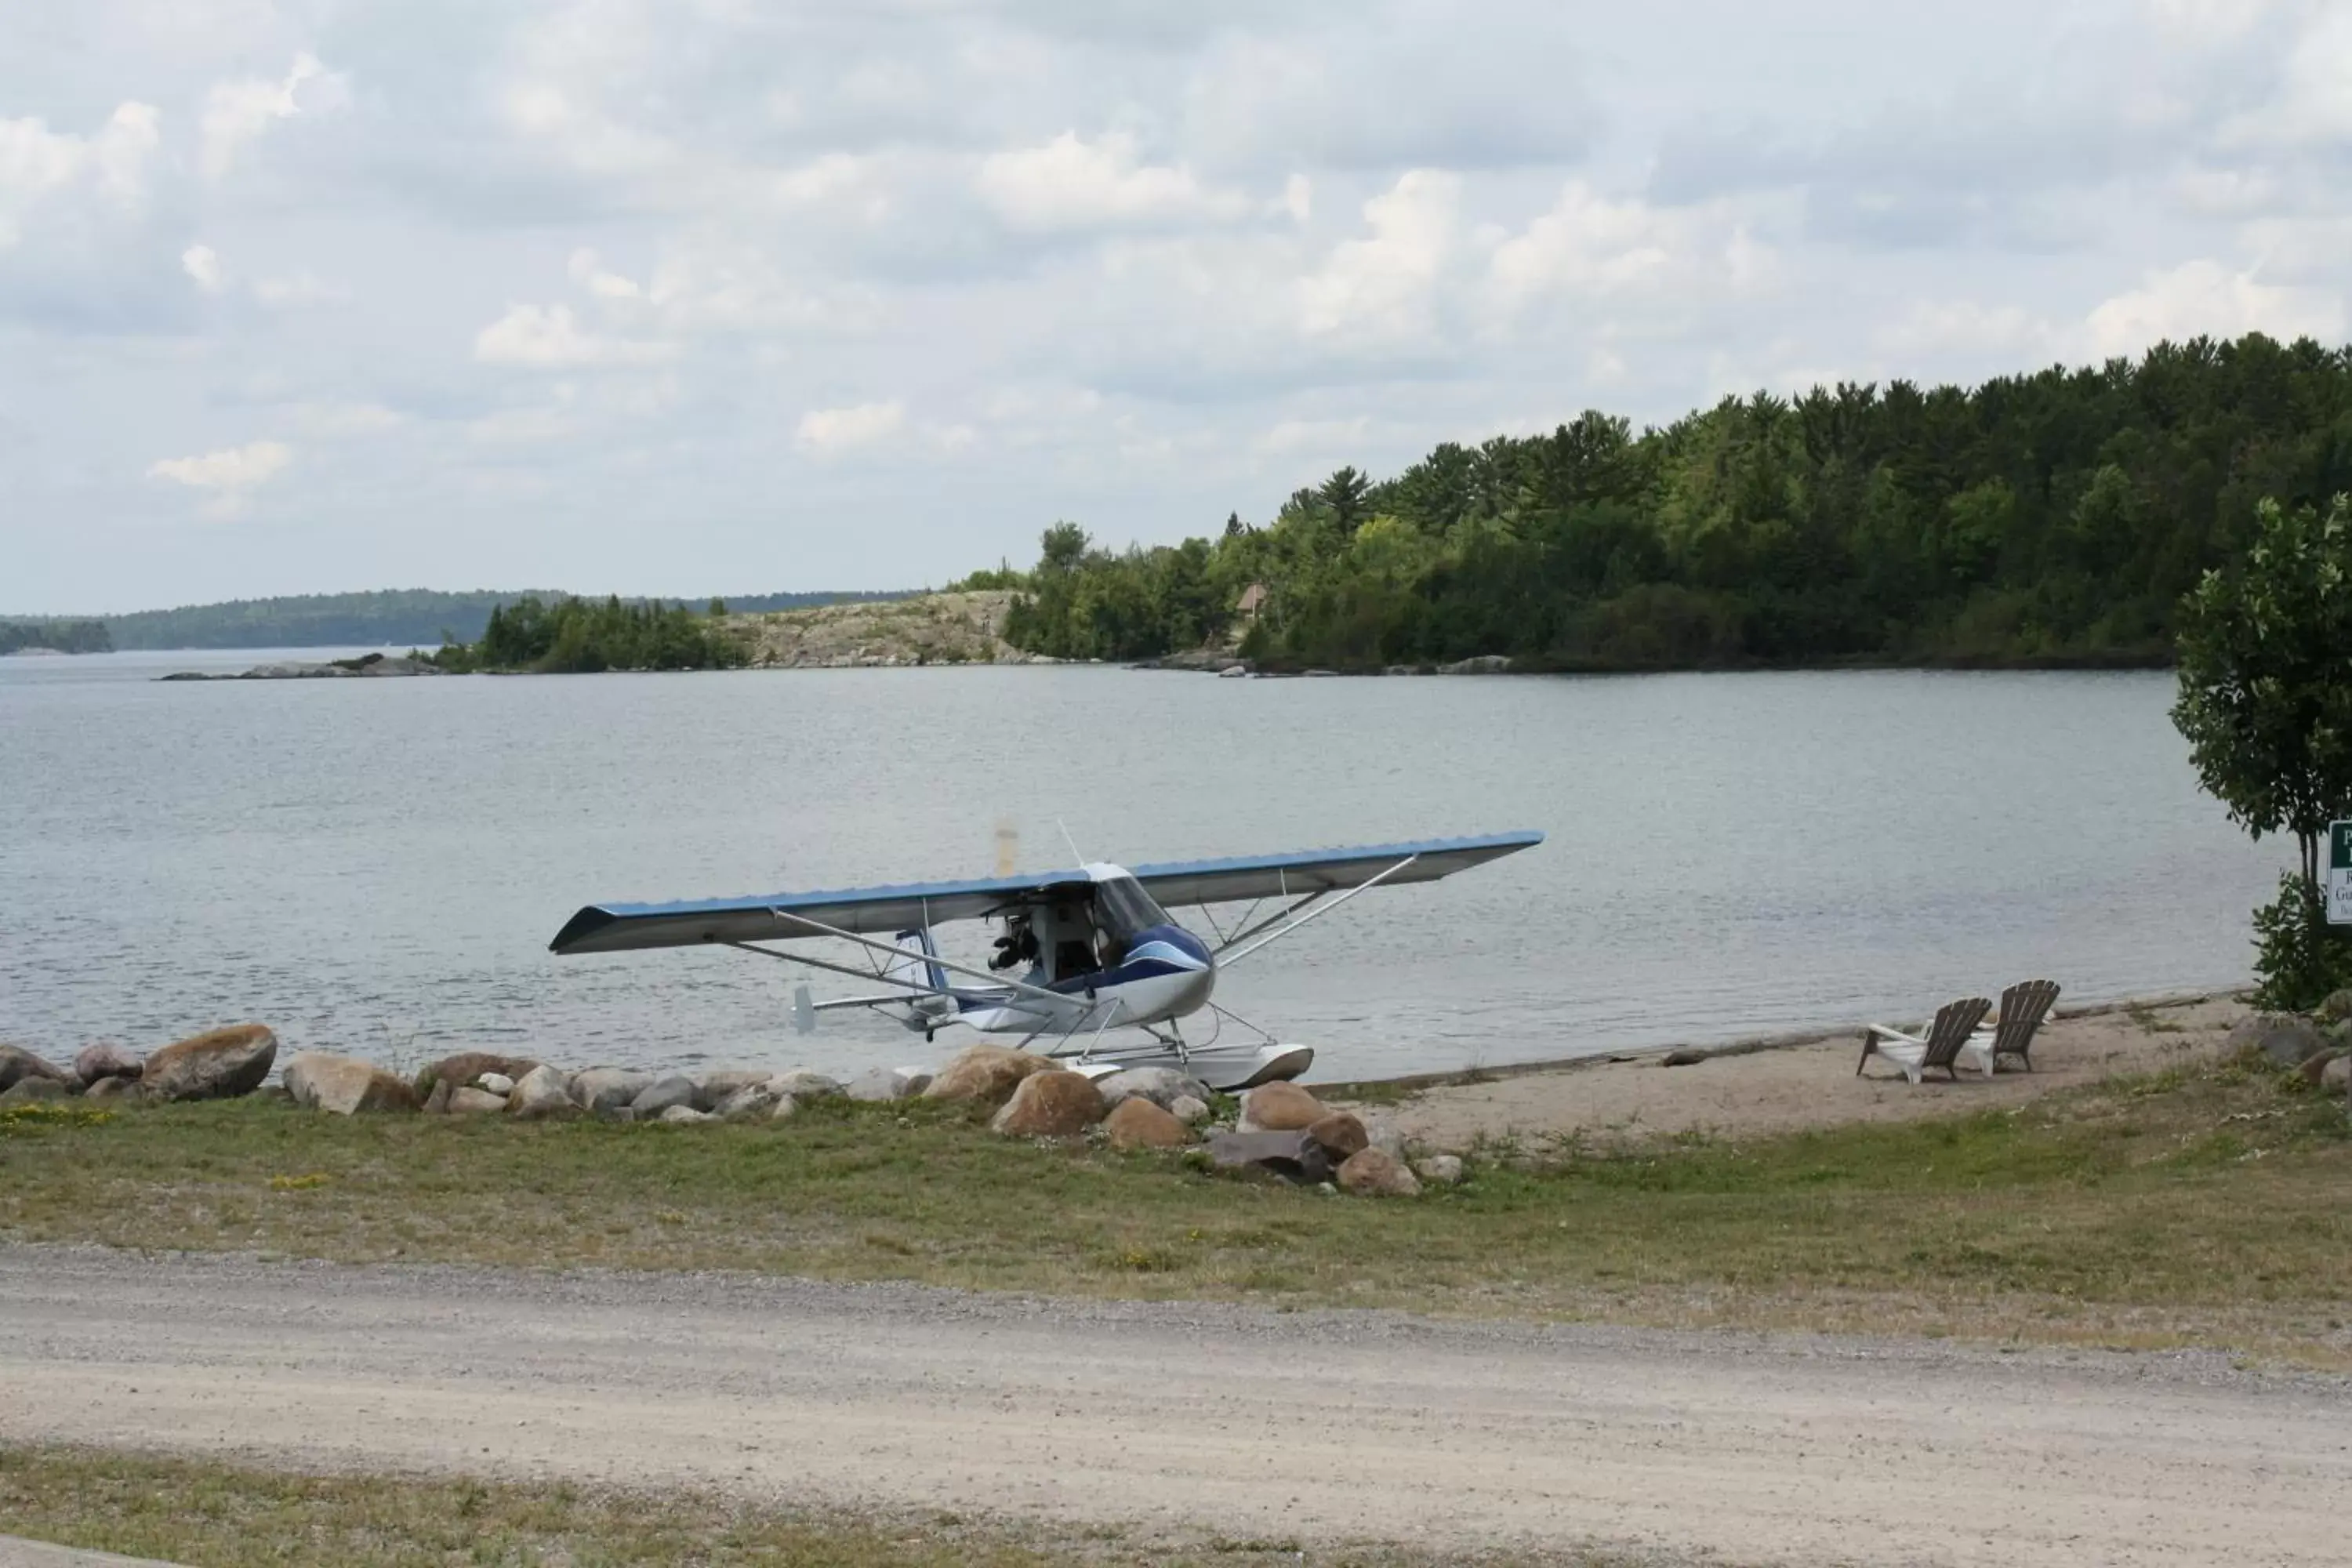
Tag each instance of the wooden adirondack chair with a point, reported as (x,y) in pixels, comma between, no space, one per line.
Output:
(1939,1048)
(2022,1008)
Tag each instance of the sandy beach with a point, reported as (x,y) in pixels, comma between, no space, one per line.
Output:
(1783,1086)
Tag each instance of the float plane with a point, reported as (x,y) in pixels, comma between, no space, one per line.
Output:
(1087,966)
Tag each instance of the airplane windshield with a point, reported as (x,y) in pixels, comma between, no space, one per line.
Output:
(1122,907)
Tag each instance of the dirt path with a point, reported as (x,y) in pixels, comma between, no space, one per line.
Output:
(1185,1415)
(1794,1085)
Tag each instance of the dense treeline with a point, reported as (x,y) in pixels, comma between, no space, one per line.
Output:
(2057,517)
(65,636)
(582,637)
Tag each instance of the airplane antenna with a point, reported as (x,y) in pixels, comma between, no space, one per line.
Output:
(1075,852)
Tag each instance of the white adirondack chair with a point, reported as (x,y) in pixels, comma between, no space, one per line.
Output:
(1940,1047)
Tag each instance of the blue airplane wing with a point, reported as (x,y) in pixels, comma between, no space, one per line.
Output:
(1322,871)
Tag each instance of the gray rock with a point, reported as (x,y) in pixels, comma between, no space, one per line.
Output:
(1478,664)
(2334,1077)
(112,1088)
(803,1084)
(678,1115)
(1439,1170)
(884,1084)
(495,1083)
(787,1106)
(599,1089)
(751,1101)
(660,1096)
(542,1094)
(17,1064)
(475,1102)
(1190,1110)
(92,1063)
(1685,1058)
(25,1091)
(1293,1156)
(2336,1009)
(2287,1041)
(719,1084)
(1162,1086)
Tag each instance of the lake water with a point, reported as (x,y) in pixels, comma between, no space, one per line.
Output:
(377,866)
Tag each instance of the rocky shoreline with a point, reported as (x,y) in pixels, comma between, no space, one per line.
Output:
(1277,1129)
(367,665)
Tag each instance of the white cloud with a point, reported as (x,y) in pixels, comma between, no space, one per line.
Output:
(2205,297)
(299,288)
(1589,243)
(1072,183)
(203,263)
(1383,288)
(340,421)
(548,337)
(238,113)
(1321,435)
(39,164)
(232,474)
(827,431)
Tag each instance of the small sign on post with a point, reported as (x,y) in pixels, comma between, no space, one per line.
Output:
(2340,874)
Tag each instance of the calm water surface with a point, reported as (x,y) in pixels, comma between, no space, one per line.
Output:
(377,866)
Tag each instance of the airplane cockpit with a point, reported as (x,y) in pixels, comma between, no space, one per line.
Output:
(1075,930)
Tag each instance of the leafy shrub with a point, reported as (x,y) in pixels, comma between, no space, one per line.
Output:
(2301,959)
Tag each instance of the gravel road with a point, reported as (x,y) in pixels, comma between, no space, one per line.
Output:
(1315,1425)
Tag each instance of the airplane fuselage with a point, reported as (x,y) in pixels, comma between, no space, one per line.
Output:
(1165,973)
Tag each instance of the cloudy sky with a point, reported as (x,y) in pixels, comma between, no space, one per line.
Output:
(676,296)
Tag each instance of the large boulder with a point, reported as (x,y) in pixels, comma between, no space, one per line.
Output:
(467,1102)
(112,1089)
(2336,1078)
(103,1060)
(25,1091)
(17,1064)
(1369,1174)
(881,1085)
(751,1102)
(662,1093)
(2336,1009)
(801,1084)
(542,1094)
(2288,1041)
(1293,1156)
(1189,1110)
(718,1084)
(219,1064)
(466,1066)
(686,1115)
(1280,1108)
(1163,1087)
(1050,1104)
(603,1089)
(345,1086)
(497,1083)
(1341,1133)
(1136,1123)
(988,1074)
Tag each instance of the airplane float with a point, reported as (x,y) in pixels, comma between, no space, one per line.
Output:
(1078,955)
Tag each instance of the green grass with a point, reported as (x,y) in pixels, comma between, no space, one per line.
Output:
(2203,1205)
(217,1515)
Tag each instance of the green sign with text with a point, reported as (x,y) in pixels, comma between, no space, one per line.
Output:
(2339,873)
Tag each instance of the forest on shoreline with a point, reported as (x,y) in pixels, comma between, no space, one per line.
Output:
(2054,519)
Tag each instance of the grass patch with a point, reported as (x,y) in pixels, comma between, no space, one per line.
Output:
(2201,1205)
(215,1515)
